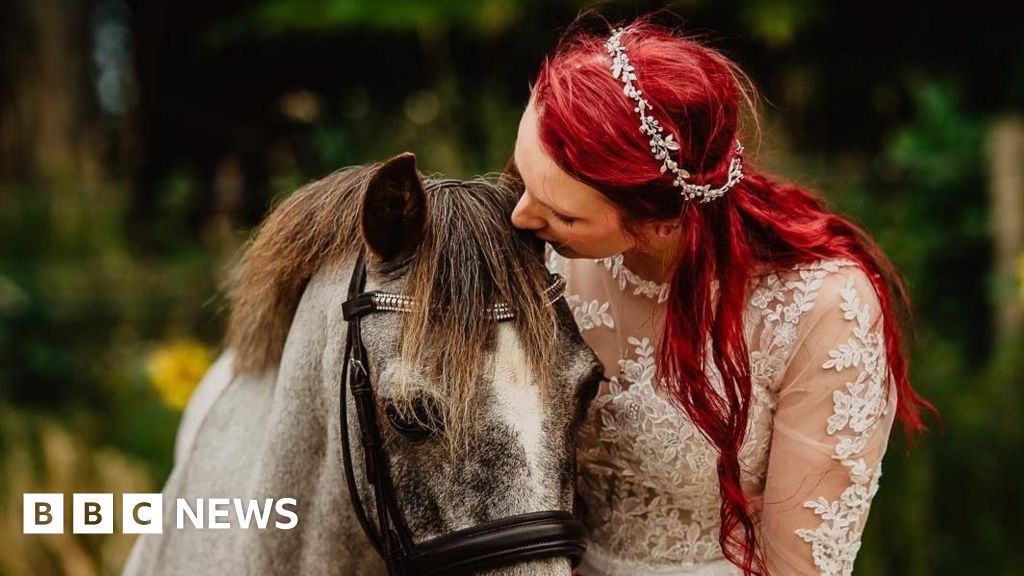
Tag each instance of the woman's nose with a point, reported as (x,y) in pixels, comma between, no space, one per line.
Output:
(524,215)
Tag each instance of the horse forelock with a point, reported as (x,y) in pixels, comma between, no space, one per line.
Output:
(469,258)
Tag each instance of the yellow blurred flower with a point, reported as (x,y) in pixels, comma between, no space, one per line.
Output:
(176,368)
(1020,278)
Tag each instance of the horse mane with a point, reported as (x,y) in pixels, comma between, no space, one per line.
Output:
(317,222)
(470,257)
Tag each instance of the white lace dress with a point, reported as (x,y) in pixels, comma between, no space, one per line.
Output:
(811,459)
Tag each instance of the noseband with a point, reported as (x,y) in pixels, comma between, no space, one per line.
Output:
(491,544)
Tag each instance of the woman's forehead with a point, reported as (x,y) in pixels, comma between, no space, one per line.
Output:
(545,180)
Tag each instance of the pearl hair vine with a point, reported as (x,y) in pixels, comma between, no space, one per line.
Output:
(662,146)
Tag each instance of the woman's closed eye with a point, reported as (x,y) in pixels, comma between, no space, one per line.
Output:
(567,220)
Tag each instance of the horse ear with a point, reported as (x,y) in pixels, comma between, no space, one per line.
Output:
(394,215)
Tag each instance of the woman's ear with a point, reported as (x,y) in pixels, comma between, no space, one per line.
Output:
(651,234)
(657,230)
(394,213)
(662,230)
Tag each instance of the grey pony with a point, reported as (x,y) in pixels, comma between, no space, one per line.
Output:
(274,432)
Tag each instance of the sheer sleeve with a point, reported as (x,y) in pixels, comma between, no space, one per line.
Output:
(831,427)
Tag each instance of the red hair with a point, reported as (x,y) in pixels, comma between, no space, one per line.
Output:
(588,126)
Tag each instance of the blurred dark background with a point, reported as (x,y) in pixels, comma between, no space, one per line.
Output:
(140,142)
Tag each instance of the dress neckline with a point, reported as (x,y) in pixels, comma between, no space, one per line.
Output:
(657,291)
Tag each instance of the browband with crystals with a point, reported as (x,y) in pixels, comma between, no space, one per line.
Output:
(390,302)
(662,146)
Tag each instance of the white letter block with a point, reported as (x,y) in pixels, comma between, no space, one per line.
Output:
(93,514)
(43,513)
(142,513)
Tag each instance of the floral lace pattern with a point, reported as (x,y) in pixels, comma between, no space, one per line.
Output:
(647,465)
(647,477)
(625,276)
(858,410)
(589,314)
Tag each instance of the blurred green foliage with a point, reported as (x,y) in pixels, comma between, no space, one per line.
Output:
(938,511)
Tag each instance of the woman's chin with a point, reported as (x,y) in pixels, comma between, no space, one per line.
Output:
(571,253)
(567,252)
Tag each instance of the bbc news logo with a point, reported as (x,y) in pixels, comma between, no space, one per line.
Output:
(143,513)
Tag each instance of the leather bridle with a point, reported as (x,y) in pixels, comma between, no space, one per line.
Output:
(501,542)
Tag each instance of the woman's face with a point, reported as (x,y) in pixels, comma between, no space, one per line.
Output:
(576,219)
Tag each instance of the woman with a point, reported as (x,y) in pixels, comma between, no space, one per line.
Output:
(750,337)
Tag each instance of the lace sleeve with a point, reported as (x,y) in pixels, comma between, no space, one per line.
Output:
(834,413)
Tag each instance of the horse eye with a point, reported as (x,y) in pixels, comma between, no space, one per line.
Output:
(426,424)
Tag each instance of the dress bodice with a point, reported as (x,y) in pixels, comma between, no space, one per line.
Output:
(810,460)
